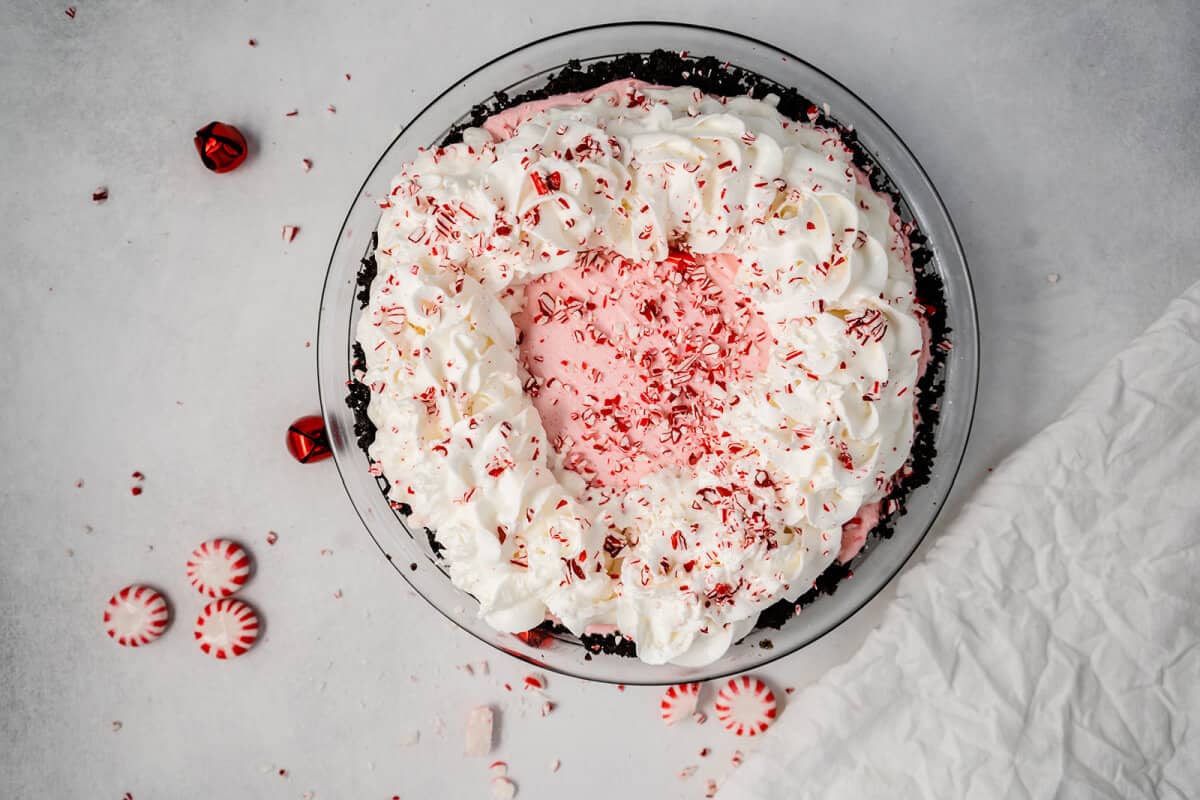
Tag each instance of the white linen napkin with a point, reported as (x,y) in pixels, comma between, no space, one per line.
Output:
(1049,643)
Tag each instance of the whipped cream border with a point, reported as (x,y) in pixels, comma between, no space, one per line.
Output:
(801,217)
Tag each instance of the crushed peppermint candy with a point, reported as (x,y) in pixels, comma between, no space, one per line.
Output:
(503,788)
(679,702)
(480,722)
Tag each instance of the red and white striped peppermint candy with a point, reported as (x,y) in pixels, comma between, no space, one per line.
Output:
(226,628)
(136,615)
(218,567)
(679,702)
(746,706)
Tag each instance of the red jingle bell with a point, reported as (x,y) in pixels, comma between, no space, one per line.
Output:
(222,147)
(306,440)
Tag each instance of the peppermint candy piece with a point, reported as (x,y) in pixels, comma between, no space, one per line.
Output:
(503,788)
(218,568)
(746,706)
(226,628)
(136,615)
(480,721)
(679,702)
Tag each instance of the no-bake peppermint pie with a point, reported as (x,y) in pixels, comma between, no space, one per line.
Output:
(646,359)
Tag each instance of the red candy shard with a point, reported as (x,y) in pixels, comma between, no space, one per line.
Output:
(70,12)
(306,440)
(746,706)
(226,628)
(679,702)
(222,147)
(136,615)
(218,568)
(100,195)
(289,232)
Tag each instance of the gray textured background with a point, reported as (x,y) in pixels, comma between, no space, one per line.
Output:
(166,331)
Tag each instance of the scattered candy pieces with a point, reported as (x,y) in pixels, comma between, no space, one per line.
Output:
(222,147)
(737,758)
(218,567)
(704,751)
(503,789)
(100,194)
(547,708)
(135,490)
(306,164)
(226,628)
(535,681)
(679,702)
(289,232)
(480,721)
(136,615)
(746,706)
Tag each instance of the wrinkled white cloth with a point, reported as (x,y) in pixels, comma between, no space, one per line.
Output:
(1049,643)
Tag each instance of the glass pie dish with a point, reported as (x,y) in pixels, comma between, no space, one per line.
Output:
(530,67)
